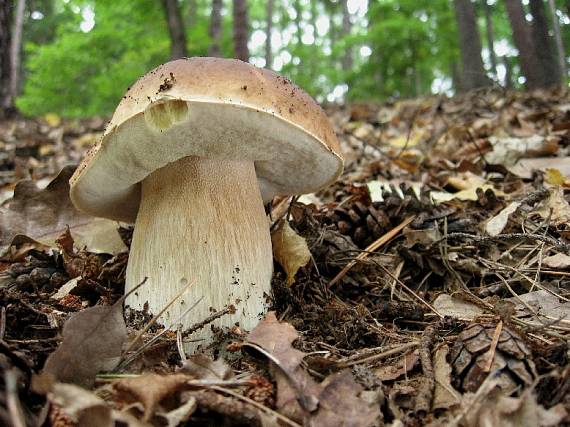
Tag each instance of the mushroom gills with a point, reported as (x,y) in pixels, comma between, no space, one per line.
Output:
(202,220)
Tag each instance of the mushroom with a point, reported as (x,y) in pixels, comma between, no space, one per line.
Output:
(192,152)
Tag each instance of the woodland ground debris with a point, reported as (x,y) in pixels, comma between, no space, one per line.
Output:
(448,321)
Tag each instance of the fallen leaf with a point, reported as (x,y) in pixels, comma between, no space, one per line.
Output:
(342,405)
(554,176)
(493,408)
(336,400)
(444,396)
(456,308)
(87,409)
(290,250)
(497,224)
(92,342)
(181,414)
(66,288)
(150,390)
(524,167)
(555,207)
(43,214)
(507,151)
(204,368)
(558,261)
(398,369)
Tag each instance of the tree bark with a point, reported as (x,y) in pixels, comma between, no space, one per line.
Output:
(176,29)
(6,102)
(473,72)
(215,29)
(529,63)
(560,52)
(543,44)
(490,31)
(347,59)
(268,32)
(241,30)
(16,50)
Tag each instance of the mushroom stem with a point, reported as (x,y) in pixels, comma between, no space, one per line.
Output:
(202,221)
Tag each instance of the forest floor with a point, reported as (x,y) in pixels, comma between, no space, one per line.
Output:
(438,292)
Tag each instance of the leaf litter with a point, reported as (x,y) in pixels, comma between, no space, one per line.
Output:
(437,292)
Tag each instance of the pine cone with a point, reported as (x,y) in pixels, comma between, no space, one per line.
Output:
(511,360)
(362,223)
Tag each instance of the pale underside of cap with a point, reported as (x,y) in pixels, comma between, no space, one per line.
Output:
(212,108)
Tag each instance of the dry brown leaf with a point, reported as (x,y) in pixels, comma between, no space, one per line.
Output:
(524,167)
(92,341)
(87,409)
(497,224)
(444,396)
(398,369)
(44,214)
(557,261)
(447,305)
(150,390)
(298,395)
(290,250)
(555,208)
(494,408)
(204,368)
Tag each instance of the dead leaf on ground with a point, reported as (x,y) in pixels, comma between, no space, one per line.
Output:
(43,214)
(456,308)
(444,396)
(298,395)
(524,167)
(398,369)
(87,409)
(92,342)
(150,390)
(558,261)
(290,249)
(555,208)
(494,408)
(204,368)
(497,224)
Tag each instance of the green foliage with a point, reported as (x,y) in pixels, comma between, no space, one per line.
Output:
(410,47)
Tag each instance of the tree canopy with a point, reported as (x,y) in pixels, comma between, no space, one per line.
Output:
(81,55)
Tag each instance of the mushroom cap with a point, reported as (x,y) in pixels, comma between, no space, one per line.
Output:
(214,108)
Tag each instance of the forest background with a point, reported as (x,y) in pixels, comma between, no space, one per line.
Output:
(77,57)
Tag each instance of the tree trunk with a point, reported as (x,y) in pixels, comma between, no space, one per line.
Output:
(473,72)
(543,45)
(347,59)
(192,13)
(241,30)
(176,29)
(268,32)
(529,63)
(508,73)
(215,29)
(16,51)
(490,36)
(6,102)
(560,53)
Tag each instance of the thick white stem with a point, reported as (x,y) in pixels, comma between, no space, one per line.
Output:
(202,221)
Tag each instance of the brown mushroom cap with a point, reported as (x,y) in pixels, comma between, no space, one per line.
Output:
(214,108)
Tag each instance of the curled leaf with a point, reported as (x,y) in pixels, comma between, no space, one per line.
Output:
(290,250)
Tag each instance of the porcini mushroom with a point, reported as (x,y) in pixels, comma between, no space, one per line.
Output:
(192,152)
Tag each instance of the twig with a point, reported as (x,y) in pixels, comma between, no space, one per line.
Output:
(563,247)
(425,391)
(257,405)
(126,362)
(157,316)
(374,246)
(197,326)
(399,349)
